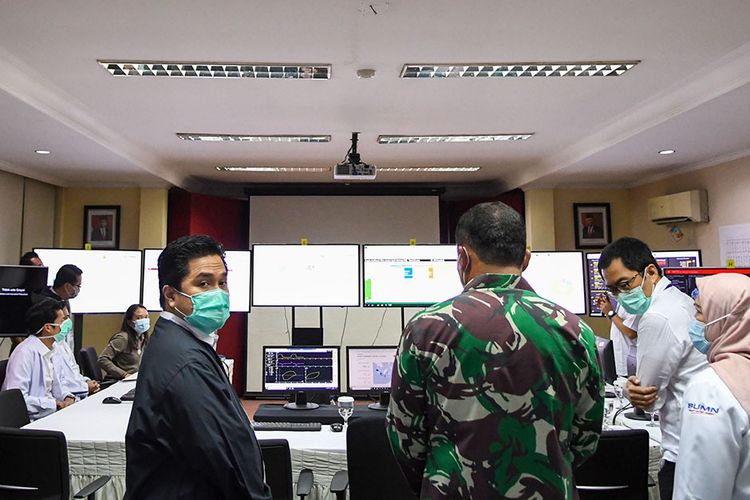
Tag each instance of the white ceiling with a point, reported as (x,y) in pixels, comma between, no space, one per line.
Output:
(691,91)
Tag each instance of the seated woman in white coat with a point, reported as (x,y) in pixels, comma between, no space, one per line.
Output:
(714,461)
(30,367)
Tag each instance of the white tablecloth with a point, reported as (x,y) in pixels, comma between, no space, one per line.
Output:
(96,444)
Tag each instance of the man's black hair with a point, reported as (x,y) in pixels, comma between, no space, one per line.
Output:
(634,254)
(494,231)
(26,259)
(174,261)
(68,273)
(41,313)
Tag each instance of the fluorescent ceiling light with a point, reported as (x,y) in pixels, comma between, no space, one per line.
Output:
(253,138)
(274,169)
(428,169)
(218,70)
(512,70)
(666,151)
(42,152)
(412,139)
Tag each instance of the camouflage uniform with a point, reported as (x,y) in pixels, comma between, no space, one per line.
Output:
(495,394)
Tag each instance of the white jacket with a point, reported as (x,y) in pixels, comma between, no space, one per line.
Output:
(714,461)
(667,358)
(620,343)
(27,370)
(67,370)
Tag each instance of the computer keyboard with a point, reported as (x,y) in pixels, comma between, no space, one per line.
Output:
(286,426)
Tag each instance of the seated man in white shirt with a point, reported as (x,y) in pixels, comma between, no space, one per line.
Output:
(666,357)
(30,367)
(68,371)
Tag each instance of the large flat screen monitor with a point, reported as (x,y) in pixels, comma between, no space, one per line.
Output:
(671,258)
(560,278)
(17,283)
(306,275)
(409,275)
(684,278)
(290,369)
(111,278)
(238,280)
(368,369)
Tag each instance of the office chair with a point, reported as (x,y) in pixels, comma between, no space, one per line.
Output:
(619,468)
(277,461)
(13,412)
(373,472)
(3,370)
(89,366)
(35,467)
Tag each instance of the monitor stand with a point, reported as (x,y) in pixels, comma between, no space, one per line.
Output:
(382,404)
(300,402)
(639,414)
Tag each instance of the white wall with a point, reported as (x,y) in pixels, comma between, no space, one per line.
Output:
(334,219)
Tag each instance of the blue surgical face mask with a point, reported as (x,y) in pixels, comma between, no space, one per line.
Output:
(697,333)
(635,301)
(210,310)
(142,325)
(65,328)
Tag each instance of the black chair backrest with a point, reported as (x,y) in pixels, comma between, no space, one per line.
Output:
(373,470)
(618,469)
(3,370)
(33,459)
(277,461)
(13,412)
(88,364)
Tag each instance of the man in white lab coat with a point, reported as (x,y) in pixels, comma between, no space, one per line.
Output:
(623,331)
(666,357)
(68,371)
(30,367)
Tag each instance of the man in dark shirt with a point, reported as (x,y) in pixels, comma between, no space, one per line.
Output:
(188,435)
(67,286)
(496,393)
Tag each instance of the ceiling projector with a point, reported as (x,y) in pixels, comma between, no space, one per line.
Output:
(353,168)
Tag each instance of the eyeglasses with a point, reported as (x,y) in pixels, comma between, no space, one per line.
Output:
(622,286)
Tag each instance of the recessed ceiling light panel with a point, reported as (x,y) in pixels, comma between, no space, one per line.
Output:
(42,152)
(429,169)
(666,151)
(275,169)
(415,139)
(252,138)
(514,70)
(218,70)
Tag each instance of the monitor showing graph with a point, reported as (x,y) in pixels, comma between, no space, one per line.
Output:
(289,369)
(369,369)
(409,275)
(672,258)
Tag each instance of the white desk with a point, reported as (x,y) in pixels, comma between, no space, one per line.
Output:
(95,433)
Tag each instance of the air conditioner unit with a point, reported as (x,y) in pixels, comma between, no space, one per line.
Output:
(688,206)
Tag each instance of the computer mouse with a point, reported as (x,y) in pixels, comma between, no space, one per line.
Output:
(111,400)
(337,427)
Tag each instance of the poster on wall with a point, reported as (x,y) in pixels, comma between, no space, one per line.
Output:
(735,245)
(101,226)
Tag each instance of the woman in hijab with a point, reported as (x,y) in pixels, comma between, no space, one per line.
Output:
(714,461)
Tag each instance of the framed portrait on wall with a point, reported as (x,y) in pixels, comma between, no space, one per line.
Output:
(593,226)
(101,226)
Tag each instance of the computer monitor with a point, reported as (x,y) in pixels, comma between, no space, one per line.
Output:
(238,282)
(409,275)
(111,278)
(607,359)
(290,369)
(670,258)
(560,278)
(17,283)
(305,275)
(684,278)
(368,369)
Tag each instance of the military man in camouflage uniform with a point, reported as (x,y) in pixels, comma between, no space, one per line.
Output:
(496,393)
